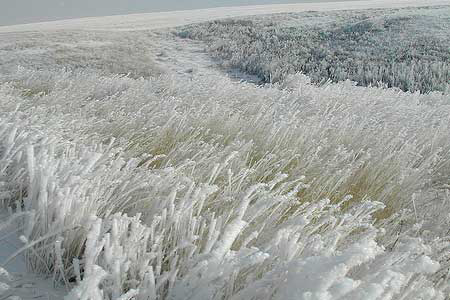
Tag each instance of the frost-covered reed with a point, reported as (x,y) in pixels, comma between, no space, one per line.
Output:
(165,188)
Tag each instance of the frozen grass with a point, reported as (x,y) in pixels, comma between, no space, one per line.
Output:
(241,186)
(97,51)
(406,48)
(177,187)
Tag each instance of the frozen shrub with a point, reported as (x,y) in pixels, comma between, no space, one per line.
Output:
(381,48)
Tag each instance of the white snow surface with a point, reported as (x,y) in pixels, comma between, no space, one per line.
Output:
(15,279)
(178,18)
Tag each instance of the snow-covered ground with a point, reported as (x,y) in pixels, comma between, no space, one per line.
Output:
(218,195)
(178,18)
(19,280)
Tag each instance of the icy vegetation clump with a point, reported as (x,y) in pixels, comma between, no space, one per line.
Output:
(407,49)
(165,188)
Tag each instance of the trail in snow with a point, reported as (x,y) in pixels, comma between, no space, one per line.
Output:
(188,57)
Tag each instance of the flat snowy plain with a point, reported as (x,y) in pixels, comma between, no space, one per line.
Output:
(111,115)
(149,21)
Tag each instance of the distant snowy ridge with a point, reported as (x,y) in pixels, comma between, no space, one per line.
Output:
(178,18)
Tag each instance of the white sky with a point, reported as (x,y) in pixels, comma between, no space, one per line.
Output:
(27,11)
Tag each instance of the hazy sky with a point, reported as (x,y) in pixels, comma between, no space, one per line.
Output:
(27,11)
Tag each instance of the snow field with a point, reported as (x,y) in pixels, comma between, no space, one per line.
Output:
(150,21)
(166,184)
